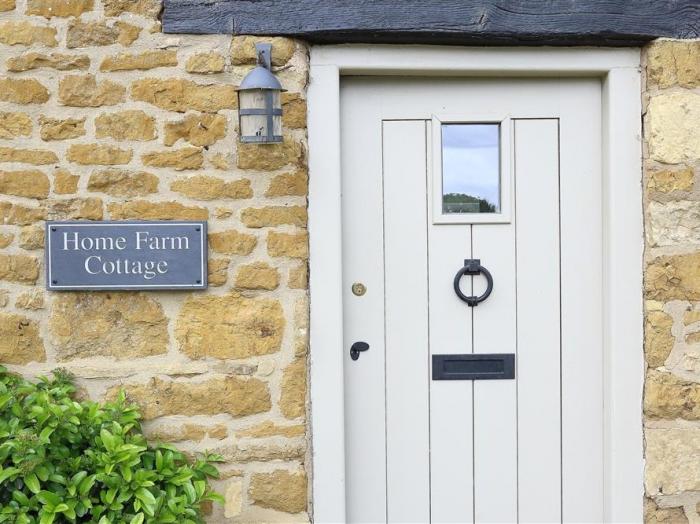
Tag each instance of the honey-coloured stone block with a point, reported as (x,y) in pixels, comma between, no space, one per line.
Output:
(257,275)
(229,326)
(19,268)
(668,180)
(293,111)
(65,183)
(7,5)
(123,183)
(237,396)
(140,61)
(98,154)
(38,157)
(29,183)
(57,129)
(667,396)
(14,125)
(201,129)
(218,271)
(671,129)
(268,157)
(16,214)
(144,210)
(292,245)
(191,432)
(281,490)
(30,300)
(205,63)
(298,277)
(121,325)
(293,389)
(672,461)
(126,125)
(673,62)
(31,237)
(20,340)
(232,242)
(25,33)
(274,216)
(270,429)
(86,91)
(128,33)
(658,340)
(244,452)
(178,159)
(76,209)
(181,95)
(57,61)
(99,33)
(201,187)
(295,183)
(673,277)
(23,91)
(147,8)
(61,8)
(243,49)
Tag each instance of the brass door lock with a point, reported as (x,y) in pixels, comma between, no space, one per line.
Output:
(359,289)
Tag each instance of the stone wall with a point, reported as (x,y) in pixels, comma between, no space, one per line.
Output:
(672,281)
(104,117)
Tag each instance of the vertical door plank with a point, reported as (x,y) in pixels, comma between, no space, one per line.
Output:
(451,401)
(538,287)
(406,310)
(363,317)
(582,305)
(495,437)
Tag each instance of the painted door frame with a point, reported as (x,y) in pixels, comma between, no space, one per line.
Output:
(619,70)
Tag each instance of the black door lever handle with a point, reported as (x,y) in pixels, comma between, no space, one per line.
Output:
(356,348)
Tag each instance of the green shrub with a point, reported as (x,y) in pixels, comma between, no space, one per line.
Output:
(64,460)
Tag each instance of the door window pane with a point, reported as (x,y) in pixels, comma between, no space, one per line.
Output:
(471,168)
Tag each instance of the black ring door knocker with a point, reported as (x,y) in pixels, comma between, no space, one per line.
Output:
(472,266)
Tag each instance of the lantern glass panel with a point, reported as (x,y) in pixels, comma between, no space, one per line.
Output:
(257,125)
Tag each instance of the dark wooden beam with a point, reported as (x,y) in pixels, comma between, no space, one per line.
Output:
(459,22)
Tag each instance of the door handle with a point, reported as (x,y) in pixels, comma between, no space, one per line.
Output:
(356,348)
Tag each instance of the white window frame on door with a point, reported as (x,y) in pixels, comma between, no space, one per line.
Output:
(619,71)
(505,170)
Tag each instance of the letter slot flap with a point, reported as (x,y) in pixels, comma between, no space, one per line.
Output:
(487,366)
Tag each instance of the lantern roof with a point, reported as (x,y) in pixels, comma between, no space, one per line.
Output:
(260,78)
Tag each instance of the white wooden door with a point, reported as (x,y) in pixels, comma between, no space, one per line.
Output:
(421,449)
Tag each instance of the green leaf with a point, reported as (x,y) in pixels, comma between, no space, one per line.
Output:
(32,483)
(20,497)
(47,518)
(7,473)
(137,519)
(86,484)
(48,498)
(190,492)
(45,434)
(145,496)
(107,439)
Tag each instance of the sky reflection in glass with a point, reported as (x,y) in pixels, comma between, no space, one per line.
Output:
(470,168)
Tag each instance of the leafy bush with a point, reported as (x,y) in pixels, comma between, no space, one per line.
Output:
(64,460)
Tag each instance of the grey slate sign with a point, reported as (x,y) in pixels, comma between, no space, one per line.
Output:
(126,255)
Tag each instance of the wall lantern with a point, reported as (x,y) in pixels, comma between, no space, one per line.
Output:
(259,101)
